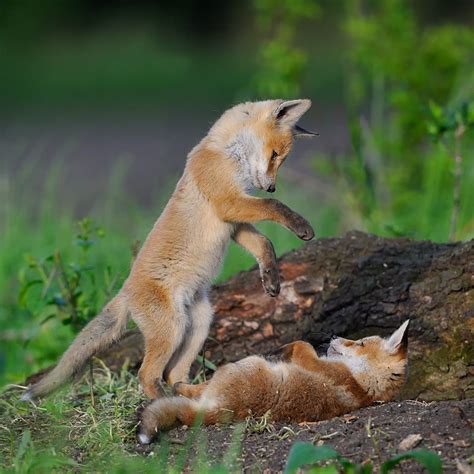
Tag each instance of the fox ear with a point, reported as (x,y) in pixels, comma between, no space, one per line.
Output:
(290,111)
(398,340)
(300,132)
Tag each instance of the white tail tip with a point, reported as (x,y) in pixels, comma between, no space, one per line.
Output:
(144,439)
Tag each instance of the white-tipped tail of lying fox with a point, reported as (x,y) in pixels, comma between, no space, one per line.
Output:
(101,332)
(165,413)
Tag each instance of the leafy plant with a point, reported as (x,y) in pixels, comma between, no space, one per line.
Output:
(306,454)
(66,289)
(450,126)
(397,182)
(81,433)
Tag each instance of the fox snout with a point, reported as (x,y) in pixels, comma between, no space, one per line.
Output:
(265,182)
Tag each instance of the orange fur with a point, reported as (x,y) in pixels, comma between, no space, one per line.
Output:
(166,291)
(303,387)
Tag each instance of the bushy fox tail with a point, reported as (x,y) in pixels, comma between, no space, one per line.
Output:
(98,334)
(165,413)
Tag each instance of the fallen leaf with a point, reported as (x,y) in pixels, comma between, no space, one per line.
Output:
(410,442)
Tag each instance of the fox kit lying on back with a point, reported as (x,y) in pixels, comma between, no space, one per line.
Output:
(304,387)
(165,293)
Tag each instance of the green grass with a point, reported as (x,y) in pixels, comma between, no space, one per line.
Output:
(94,431)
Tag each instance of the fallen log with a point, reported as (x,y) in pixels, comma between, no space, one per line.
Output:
(353,286)
(358,285)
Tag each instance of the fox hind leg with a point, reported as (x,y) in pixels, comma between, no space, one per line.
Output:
(163,335)
(200,317)
(189,390)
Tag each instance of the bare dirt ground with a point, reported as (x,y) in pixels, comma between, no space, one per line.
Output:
(370,434)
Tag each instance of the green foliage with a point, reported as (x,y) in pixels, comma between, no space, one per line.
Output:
(281,63)
(306,454)
(397,67)
(62,289)
(396,182)
(452,125)
(45,227)
(430,460)
(205,367)
(449,122)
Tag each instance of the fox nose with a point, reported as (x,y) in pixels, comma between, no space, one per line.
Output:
(271,188)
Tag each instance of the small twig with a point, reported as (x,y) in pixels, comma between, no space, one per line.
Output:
(67,287)
(91,382)
(48,282)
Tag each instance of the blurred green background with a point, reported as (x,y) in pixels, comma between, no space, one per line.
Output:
(100,101)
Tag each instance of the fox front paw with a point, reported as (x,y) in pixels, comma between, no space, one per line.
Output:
(271,281)
(302,228)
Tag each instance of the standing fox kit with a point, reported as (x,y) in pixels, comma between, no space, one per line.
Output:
(166,291)
(304,387)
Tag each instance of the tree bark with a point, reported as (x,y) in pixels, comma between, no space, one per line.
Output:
(353,286)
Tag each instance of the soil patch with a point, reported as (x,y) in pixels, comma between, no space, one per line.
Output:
(370,434)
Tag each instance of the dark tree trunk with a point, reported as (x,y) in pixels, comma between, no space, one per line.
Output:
(352,286)
(359,285)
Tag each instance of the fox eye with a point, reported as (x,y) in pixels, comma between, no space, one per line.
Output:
(274,155)
(361,343)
